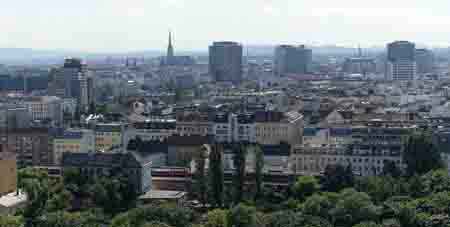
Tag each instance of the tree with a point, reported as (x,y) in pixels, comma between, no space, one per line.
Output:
(60,199)
(435,181)
(293,219)
(337,177)
(169,214)
(259,167)
(381,188)
(353,207)
(114,194)
(420,155)
(155,224)
(391,169)
(11,221)
(282,219)
(217,218)
(367,224)
(36,185)
(201,180)
(240,158)
(216,175)
(305,186)
(319,204)
(242,216)
(66,219)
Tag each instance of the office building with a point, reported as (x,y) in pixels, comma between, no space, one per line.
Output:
(292,60)
(425,61)
(91,89)
(225,62)
(71,81)
(401,62)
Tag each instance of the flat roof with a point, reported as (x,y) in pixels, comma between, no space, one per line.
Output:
(12,199)
(161,194)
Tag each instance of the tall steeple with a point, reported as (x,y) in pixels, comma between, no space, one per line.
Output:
(169,58)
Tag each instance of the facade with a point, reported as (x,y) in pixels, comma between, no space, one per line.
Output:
(30,145)
(45,108)
(275,127)
(70,81)
(401,63)
(224,125)
(14,116)
(155,129)
(425,61)
(292,60)
(193,123)
(360,65)
(276,158)
(225,61)
(183,149)
(263,127)
(8,168)
(73,141)
(134,165)
(108,135)
(366,149)
(91,89)
(171,178)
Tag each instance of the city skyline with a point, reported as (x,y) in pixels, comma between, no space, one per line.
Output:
(112,26)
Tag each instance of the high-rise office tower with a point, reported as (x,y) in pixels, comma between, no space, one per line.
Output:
(401,62)
(70,81)
(424,60)
(292,60)
(91,89)
(225,61)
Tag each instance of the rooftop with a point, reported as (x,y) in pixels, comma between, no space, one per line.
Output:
(159,194)
(12,199)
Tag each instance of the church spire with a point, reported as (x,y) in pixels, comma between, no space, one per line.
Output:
(170,49)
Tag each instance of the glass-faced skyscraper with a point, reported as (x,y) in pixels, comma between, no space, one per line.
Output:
(292,60)
(401,62)
(225,62)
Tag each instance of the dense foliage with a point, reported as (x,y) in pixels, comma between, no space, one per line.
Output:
(418,198)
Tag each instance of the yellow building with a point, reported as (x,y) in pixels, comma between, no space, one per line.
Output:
(74,141)
(108,136)
(8,170)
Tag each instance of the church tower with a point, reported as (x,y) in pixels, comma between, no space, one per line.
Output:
(170,54)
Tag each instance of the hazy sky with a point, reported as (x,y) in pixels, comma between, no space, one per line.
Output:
(121,25)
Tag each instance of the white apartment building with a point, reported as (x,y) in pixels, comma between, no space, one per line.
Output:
(151,130)
(366,149)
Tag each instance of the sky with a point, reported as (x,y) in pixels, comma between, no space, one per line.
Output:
(136,25)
